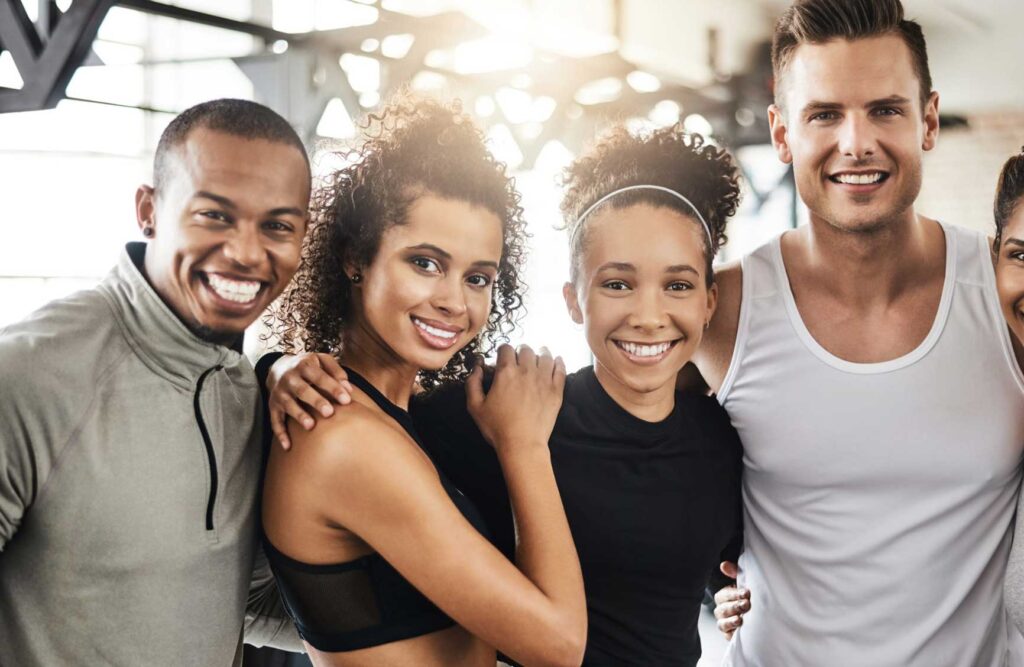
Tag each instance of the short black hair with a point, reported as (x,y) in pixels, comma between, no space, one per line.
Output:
(1009,193)
(241,118)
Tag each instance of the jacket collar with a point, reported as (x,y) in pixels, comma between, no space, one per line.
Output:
(155,333)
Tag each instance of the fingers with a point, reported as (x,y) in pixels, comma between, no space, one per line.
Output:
(559,374)
(729,569)
(730,605)
(526,357)
(277,417)
(331,367)
(506,356)
(545,363)
(291,407)
(731,594)
(475,387)
(728,626)
(303,391)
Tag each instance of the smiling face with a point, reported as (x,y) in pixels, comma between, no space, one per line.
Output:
(641,297)
(227,229)
(1010,271)
(427,292)
(853,128)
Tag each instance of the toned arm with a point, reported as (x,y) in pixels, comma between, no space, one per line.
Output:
(715,352)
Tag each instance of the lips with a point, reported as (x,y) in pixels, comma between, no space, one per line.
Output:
(438,335)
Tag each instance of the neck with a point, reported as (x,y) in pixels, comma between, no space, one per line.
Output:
(365,354)
(652,405)
(870,267)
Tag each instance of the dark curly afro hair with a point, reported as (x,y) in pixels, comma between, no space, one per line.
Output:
(1009,193)
(411,147)
(669,157)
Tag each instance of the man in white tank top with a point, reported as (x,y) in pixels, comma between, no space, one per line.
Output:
(866,365)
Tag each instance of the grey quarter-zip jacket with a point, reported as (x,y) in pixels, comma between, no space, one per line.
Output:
(129,466)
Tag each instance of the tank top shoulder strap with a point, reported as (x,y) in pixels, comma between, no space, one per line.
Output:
(760,279)
(390,409)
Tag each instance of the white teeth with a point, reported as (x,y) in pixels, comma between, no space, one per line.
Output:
(638,350)
(433,331)
(859,179)
(239,291)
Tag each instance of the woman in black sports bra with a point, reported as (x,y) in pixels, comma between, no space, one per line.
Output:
(411,268)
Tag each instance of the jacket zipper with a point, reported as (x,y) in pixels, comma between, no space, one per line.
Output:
(209,446)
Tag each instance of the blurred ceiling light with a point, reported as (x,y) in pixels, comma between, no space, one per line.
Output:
(32,9)
(279,46)
(439,59)
(370,99)
(331,14)
(542,108)
(63,5)
(397,46)
(521,80)
(516,105)
(363,73)
(531,130)
(369,45)
(9,75)
(553,158)
(417,7)
(491,54)
(572,41)
(503,146)
(643,82)
(698,125)
(745,117)
(366,2)
(665,113)
(336,121)
(484,106)
(574,112)
(428,82)
(293,15)
(599,91)
(639,125)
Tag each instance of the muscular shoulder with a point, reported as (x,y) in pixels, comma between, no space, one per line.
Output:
(715,351)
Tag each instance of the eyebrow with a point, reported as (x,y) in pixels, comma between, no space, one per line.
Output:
(1013,241)
(228,204)
(447,255)
(892,100)
(626,266)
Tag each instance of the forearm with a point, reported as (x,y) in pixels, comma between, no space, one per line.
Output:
(545,551)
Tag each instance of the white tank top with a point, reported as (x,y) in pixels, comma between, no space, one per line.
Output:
(878,497)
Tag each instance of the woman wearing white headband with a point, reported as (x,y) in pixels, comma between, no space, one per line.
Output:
(649,476)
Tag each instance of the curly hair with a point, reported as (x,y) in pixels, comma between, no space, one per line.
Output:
(411,147)
(669,157)
(1009,193)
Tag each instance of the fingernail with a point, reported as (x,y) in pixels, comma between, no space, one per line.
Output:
(307,424)
(326,411)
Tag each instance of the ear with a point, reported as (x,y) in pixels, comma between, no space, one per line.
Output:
(572,302)
(145,208)
(777,125)
(712,301)
(931,122)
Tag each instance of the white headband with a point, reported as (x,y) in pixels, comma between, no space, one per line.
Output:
(707,228)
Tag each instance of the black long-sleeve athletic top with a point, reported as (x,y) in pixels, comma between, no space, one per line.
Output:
(652,508)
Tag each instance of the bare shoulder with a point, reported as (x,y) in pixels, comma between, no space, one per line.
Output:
(715,352)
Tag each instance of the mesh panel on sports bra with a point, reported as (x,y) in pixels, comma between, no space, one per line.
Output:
(329,602)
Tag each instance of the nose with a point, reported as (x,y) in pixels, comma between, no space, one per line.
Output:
(857,137)
(244,245)
(648,313)
(450,297)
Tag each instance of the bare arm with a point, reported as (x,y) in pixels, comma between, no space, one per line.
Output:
(392,499)
(714,354)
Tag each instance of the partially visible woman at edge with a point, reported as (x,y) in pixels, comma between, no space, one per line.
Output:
(411,268)
(649,475)
(1008,251)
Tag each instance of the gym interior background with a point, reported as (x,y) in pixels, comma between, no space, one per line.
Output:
(87,86)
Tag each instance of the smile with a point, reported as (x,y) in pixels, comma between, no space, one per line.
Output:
(436,334)
(862,178)
(645,352)
(242,292)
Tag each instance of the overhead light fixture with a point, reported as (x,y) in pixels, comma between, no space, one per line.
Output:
(363,72)
(484,106)
(397,46)
(643,82)
(600,91)
(698,125)
(491,54)
(279,46)
(665,113)
(369,45)
(369,99)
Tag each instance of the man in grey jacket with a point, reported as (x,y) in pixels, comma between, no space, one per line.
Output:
(129,419)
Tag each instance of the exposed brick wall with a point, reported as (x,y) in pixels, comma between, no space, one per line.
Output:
(960,173)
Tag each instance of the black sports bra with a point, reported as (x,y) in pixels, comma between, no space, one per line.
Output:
(364,602)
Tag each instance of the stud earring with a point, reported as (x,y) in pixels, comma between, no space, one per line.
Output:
(356,278)
(147,232)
